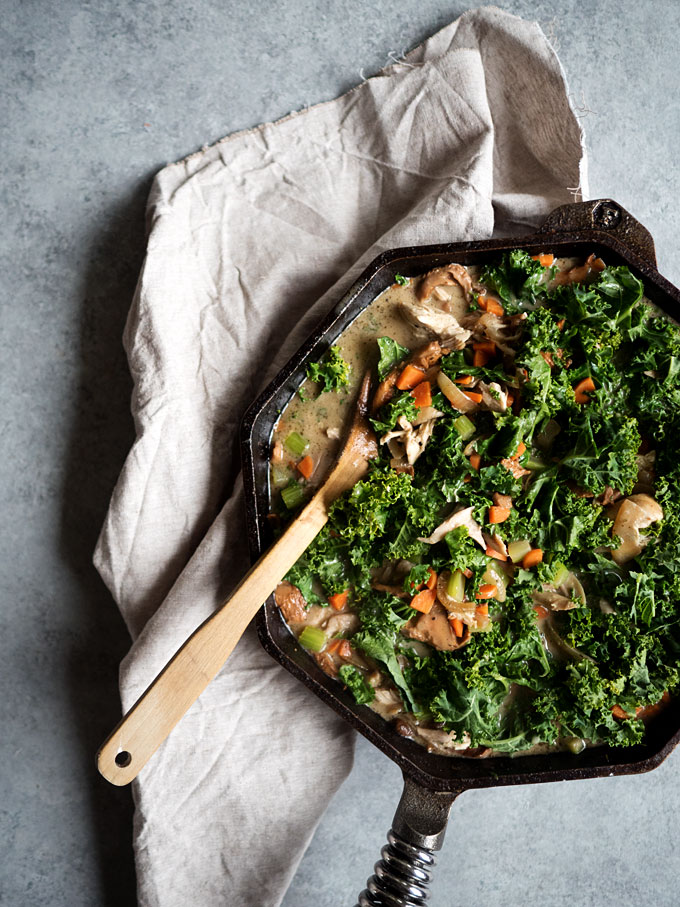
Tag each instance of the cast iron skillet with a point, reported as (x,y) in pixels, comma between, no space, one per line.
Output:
(432,782)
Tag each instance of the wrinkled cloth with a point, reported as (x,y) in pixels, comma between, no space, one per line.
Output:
(250,242)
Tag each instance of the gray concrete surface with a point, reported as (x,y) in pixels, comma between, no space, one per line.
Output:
(97,96)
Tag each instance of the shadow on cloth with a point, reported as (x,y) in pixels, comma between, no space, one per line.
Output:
(101,435)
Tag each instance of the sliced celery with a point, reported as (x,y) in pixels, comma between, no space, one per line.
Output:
(292,495)
(280,476)
(313,638)
(518,549)
(465,427)
(536,465)
(560,573)
(455,587)
(296,444)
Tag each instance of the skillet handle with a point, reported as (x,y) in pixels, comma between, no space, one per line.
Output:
(403,874)
(604,216)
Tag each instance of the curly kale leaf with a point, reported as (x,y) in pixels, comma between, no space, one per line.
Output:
(332,371)
(389,414)
(355,682)
(391,353)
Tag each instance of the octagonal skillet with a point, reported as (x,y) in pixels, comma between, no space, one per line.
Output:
(432,782)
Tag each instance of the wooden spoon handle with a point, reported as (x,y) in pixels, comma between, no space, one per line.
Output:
(136,738)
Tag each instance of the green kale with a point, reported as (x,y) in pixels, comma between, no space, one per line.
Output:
(391,353)
(355,682)
(332,372)
(388,415)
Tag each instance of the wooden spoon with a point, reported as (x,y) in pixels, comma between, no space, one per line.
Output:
(137,737)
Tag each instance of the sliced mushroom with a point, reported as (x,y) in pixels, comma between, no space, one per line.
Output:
(440,741)
(462,517)
(568,595)
(291,602)
(633,514)
(443,277)
(435,629)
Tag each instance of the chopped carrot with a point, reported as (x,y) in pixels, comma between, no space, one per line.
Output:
(521,449)
(510,399)
(475,461)
(482,300)
(457,627)
(422,394)
(467,478)
(485,346)
(345,649)
(464,380)
(473,395)
(424,600)
(531,558)
(467,573)
(541,612)
(339,600)
(560,324)
(582,389)
(546,259)
(487,590)
(334,645)
(482,609)
(619,713)
(306,467)
(498,514)
(409,377)
(493,306)
(494,552)
(480,359)
(431,581)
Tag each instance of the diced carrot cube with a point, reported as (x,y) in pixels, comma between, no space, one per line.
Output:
(339,600)
(424,601)
(422,394)
(410,376)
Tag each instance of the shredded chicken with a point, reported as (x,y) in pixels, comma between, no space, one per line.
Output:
(501,330)
(461,517)
(494,398)
(409,442)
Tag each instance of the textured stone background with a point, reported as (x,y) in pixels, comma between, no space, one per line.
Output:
(97,96)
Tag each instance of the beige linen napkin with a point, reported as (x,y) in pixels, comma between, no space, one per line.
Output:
(250,243)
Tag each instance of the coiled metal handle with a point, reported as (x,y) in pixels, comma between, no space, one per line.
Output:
(402,877)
